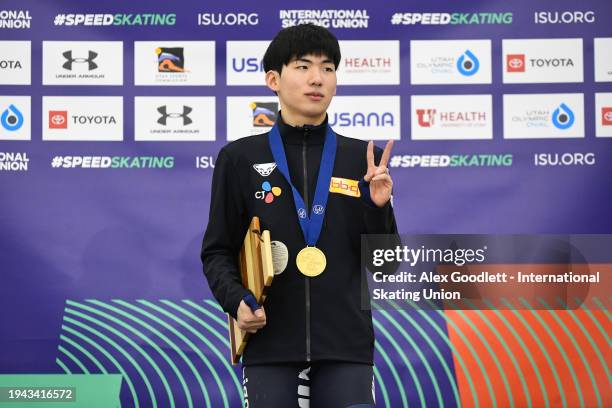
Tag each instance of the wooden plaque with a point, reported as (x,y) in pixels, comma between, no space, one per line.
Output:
(257,272)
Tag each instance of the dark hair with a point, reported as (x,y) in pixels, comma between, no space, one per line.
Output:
(297,41)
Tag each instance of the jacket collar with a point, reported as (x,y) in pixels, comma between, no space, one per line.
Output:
(312,134)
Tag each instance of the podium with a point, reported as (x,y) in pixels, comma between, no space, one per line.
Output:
(257,272)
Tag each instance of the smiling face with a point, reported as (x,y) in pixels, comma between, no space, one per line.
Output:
(305,88)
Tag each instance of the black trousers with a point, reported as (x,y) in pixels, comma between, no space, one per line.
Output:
(308,385)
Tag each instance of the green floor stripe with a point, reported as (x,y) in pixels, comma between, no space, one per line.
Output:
(394,374)
(186,340)
(86,352)
(554,314)
(102,350)
(419,353)
(551,334)
(223,358)
(508,350)
(485,375)
(490,351)
(444,336)
(153,330)
(595,321)
(130,342)
(541,350)
(63,366)
(525,350)
(383,388)
(71,356)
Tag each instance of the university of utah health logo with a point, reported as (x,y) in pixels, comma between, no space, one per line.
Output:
(563,117)
(58,119)
(468,64)
(606,116)
(442,118)
(425,117)
(165,115)
(268,193)
(515,63)
(70,60)
(264,113)
(170,59)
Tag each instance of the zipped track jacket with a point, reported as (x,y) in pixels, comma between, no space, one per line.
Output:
(308,319)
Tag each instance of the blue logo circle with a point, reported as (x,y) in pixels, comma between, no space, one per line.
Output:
(468,64)
(563,117)
(11,118)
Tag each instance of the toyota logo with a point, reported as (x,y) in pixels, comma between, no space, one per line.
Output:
(58,120)
(515,63)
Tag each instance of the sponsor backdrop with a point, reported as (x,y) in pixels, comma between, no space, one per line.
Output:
(112,114)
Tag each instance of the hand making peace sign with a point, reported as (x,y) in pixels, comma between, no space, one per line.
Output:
(380,181)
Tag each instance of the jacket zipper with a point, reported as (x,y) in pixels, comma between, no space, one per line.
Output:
(306,202)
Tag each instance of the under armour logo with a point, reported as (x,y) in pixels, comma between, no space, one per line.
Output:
(165,115)
(302,213)
(90,60)
(318,209)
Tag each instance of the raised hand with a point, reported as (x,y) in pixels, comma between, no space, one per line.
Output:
(380,181)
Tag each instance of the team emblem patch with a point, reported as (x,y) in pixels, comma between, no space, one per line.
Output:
(264,169)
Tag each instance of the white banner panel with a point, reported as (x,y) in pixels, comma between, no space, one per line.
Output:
(83,118)
(450,62)
(82,63)
(244,62)
(543,116)
(366,117)
(15,63)
(542,61)
(369,63)
(174,63)
(603,59)
(174,119)
(451,117)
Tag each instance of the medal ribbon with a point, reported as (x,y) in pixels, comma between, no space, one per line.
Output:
(311,222)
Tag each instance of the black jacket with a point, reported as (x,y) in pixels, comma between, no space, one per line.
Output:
(308,319)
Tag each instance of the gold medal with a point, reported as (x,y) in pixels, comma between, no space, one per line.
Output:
(311,261)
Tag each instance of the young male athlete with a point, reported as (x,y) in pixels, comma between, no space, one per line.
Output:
(316,192)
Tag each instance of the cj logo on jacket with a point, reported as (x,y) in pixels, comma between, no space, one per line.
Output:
(267,192)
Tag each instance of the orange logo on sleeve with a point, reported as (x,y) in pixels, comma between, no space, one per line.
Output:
(344,186)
